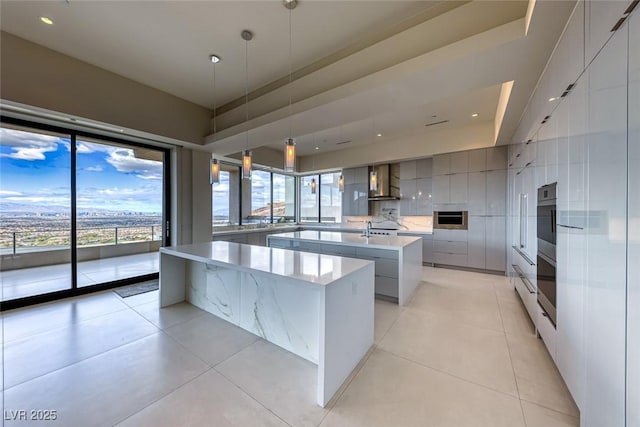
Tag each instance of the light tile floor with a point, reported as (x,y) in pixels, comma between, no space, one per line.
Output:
(463,353)
(38,280)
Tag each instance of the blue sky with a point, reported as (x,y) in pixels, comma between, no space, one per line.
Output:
(35,171)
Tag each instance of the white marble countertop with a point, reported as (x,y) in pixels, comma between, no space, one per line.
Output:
(349,239)
(411,232)
(256,229)
(310,267)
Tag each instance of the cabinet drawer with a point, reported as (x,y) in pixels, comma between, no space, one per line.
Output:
(386,267)
(450,259)
(450,247)
(386,286)
(547,332)
(376,253)
(450,235)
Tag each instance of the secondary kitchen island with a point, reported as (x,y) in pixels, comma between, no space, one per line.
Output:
(398,259)
(319,307)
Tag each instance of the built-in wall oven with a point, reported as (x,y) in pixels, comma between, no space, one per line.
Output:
(451,220)
(546,259)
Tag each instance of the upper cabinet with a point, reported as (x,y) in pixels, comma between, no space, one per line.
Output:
(408,170)
(600,17)
(441,164)
(355,195)
(424,168)
(496,158)
(459,162)
(477,160)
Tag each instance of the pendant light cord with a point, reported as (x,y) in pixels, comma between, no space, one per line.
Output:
(246,87)
(290,71)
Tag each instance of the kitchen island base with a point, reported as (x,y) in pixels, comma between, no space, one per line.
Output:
(318,307)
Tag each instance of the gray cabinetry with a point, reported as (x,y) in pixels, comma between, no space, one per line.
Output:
(477,160)
(476,242)
(441,164)
(424,168)
(495,243)
(408,197)
(424,204)
(458,188)
(496,192)
(356,192)
(459,162)
(408,170)
(477,202)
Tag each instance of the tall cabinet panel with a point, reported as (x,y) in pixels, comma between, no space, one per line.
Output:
(605,319)
(633,255)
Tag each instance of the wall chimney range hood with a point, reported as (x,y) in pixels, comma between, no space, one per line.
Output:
(387,180)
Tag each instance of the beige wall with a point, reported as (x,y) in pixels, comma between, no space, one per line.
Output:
(40,77)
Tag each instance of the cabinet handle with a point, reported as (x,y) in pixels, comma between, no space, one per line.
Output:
(570,226)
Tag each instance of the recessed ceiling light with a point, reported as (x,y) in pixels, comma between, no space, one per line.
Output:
(317,148)
(475,115)
(379,134)
(553,98)
(46,20)
(215,58)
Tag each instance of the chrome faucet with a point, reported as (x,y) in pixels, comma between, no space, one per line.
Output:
(368,234)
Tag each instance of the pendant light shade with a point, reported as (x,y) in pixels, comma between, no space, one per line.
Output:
(246,164)
(313,186)
(214,168)
(373,181)
(290,155)
(341,183)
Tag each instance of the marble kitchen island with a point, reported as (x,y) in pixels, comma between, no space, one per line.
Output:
(319,307)
(398,259)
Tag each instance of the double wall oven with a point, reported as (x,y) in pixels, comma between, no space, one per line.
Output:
(546,259)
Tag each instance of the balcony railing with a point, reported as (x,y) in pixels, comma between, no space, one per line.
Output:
(14,242)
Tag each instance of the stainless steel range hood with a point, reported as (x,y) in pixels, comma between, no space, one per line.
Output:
(388,182)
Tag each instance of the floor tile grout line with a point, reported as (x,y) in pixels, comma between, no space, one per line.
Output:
(67,325)
(250,395)
(513,369)
(344,387)
(422,365)
(159,308)
(82,360)
(550,409)
(209,368)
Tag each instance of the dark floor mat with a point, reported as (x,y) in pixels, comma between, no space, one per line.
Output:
(137,289)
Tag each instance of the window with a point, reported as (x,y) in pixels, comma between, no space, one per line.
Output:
(308,200)
(256,196)
(225,200)
(268,197)
(330,198)
(284,190)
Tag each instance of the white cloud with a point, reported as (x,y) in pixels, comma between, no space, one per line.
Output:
(97,168)
(125,161)
(27,145)
(9,193)
(84,148)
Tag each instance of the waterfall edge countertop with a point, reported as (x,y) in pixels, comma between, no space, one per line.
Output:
(273,261)
(349,239)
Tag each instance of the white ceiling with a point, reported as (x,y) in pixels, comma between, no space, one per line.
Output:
(364,67)
(166,44)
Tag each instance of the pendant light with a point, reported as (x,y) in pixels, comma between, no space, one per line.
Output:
(290,143)
(246,154)
(373,180)
(313,166)
(341,183)
(214,164)
(313,185)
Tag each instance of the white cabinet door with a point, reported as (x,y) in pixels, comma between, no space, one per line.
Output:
(478,160)
(605,321)
(496,192)
(496,240)
(424,205)
(477,202)
(633,290)
(441,164)
(476,242)
(459,187)
(496,158)
(427,249)
(459,162)
(408,170)
(407,197)
(441,189)
(601,16)
(424,168)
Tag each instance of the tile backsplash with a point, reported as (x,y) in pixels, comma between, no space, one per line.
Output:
(385,215)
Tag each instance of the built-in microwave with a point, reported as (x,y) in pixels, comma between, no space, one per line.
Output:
(451,220)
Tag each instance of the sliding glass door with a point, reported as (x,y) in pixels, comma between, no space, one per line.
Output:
(77,211)
(119,203)
(35,212)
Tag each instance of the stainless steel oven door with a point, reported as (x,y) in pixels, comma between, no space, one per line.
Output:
(546,278)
